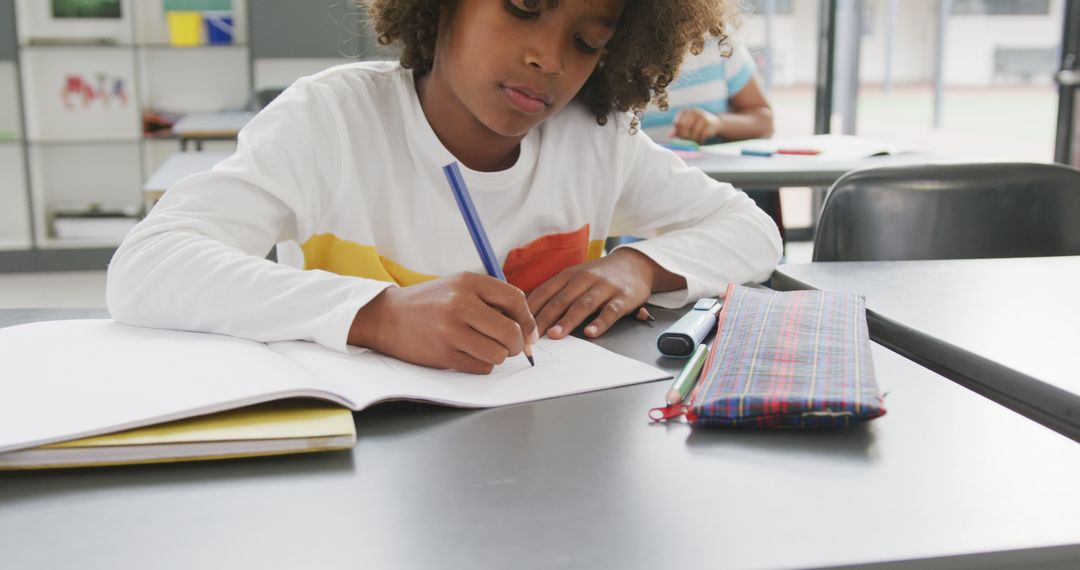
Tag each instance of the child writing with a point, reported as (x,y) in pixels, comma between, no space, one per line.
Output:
(717,97)
(530,97)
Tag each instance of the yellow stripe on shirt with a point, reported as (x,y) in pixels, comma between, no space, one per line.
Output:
(336,255)
(331,253)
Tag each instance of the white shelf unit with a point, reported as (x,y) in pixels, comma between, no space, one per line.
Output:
(87,83)
(35,23)
(15,232)
(10,121)
(14,215)
(56,164)
(80,93)
(197,79)
(77,174)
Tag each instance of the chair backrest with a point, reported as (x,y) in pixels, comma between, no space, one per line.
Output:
(951,211)
(262,97)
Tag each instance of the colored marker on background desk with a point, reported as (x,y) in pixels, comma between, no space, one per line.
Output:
(787,151)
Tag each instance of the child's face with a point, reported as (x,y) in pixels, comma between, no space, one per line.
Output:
(511,67)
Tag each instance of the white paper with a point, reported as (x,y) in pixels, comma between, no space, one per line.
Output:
(65,380)
(68,379)
(566,366)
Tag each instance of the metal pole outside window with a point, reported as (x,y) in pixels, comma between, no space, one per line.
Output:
(826,67)
(1068,77)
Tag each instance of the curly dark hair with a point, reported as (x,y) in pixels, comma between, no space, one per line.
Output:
(636,66)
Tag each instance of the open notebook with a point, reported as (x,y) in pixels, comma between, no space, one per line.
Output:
(821,147)
(66,380)
(273,428)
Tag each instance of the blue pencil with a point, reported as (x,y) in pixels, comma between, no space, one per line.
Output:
(476,230)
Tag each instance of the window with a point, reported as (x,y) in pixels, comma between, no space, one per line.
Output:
(997,97)
(1025,65)
(758,7)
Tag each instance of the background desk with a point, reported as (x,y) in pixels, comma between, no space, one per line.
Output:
(755,172)
(762,177)
(1006,328)
(178,166)
(198,127)
(582,482)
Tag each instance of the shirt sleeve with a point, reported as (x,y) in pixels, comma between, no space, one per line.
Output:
(197,262)
(738,70)
(701,229)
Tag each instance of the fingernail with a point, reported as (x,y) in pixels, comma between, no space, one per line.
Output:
(534,337)
(591,330)
(555,330)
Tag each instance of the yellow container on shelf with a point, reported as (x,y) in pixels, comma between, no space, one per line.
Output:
(185,28)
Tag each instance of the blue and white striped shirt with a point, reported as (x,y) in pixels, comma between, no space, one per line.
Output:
(705,81)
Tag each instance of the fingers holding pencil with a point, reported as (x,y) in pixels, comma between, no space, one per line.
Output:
(487,255)
(510,302)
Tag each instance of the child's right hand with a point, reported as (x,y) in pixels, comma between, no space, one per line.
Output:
(468,322)
(696,125)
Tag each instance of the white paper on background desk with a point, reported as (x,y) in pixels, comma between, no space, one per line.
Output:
(65,380)
(832,147)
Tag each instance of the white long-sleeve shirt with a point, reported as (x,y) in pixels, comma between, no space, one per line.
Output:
(345,165)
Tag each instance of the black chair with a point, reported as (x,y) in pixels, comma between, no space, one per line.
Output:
(951,211)
(262,97)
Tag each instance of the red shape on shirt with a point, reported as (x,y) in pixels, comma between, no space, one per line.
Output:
(528,266)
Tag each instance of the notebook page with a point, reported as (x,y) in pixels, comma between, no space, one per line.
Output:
(69,379)
(567,366)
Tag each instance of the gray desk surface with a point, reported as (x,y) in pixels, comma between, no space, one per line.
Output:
(180,165)
(1007,328)
(203,125)
(740,171)
(785,171)
(582,482)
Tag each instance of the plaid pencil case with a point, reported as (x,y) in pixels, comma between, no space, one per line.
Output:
(792,360)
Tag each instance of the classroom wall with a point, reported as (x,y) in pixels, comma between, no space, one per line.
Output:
(9,103)
(7,30)
(281,72)
(308,29)
(10,128)
(14,213)
(292,39)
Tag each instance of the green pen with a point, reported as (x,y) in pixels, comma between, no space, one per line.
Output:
(687,377)
(685,144)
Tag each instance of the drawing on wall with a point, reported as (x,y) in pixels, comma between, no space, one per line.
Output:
(107,9)
(109,90)
(81,93)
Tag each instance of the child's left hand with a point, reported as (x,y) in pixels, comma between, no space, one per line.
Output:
(614,285)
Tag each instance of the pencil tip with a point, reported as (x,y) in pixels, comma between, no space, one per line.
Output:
(531,361)
(644,315)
